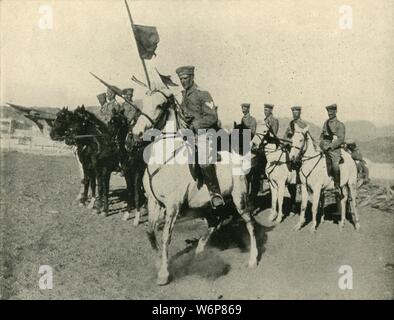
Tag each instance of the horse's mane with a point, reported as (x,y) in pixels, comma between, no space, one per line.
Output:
(94,119)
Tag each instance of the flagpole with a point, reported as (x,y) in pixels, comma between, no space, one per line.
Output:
(142,60)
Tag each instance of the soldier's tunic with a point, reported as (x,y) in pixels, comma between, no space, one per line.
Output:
(333,136)
(198,104)
(106,110)
(272,123)
(250,123)
(129,111)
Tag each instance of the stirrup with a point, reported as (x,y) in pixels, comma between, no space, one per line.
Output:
(217,196)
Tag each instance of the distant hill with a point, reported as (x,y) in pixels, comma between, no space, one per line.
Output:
(367,131)
(378,150)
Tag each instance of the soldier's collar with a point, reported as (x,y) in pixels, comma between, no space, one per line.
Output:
(191,89)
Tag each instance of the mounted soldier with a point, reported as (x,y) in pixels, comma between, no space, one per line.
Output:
(129,111)
(247,120)
(331,140)
(110,103)
(198,105)
(288,135)
(272,124)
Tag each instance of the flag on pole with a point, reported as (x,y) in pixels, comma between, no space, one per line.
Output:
(147,39)
(166,80)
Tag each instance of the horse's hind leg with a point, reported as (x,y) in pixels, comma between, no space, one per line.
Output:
(137,199)
(129,187)
(212,227)
(281,195)
(315,206)
(353,205)
(322,204)
(274,199)
(304,203)
(241,206)
(106,179)
(342,206)
(92,182)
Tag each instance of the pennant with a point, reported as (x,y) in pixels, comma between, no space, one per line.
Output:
(166,80)
(147,39)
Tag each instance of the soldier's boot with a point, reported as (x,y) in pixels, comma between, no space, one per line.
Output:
(212,183)
(337,181)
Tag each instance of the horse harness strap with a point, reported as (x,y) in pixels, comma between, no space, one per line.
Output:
(151,175)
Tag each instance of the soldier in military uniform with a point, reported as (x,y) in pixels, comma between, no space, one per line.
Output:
(292,186)
(198,106)
(331,140)
(129,111)
(271,122)
(106,109)
(261,161)
(247,120)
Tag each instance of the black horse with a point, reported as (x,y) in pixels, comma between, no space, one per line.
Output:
(60,132)
(97,149)
(131,162)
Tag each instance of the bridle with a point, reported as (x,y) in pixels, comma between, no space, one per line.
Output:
(301,156)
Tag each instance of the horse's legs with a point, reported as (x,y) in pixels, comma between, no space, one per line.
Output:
(241,207)
(281,194)
(97,203)
(92,181)
(213,225)
(126,215)
(136,185)
(274,199)
(322,204)
(353,195)
(304,203)
(343,203)
(163,275)
(106,179)
(315,206)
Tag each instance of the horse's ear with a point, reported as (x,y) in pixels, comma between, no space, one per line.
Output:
(83,107)
(235,124)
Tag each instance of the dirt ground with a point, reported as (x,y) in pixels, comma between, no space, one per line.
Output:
(105,258)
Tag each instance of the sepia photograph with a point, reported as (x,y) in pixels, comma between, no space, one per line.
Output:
(196,150)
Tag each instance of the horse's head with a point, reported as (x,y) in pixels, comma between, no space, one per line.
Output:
(298,144)
(62,125)
(156,107)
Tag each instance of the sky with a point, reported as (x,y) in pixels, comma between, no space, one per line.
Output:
(285,52)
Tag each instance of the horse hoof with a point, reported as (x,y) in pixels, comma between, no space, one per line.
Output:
(126,216)
(252,264)
(104,214)
(162,281)
(278,219)
(312,229)
(357,226)
(272,216)
(136,219)
(298,226)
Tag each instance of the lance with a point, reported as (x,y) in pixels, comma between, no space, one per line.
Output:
(142,60)
(119,93)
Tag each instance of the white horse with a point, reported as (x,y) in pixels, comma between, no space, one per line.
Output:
(315,179)
(170,187)
(277,172)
